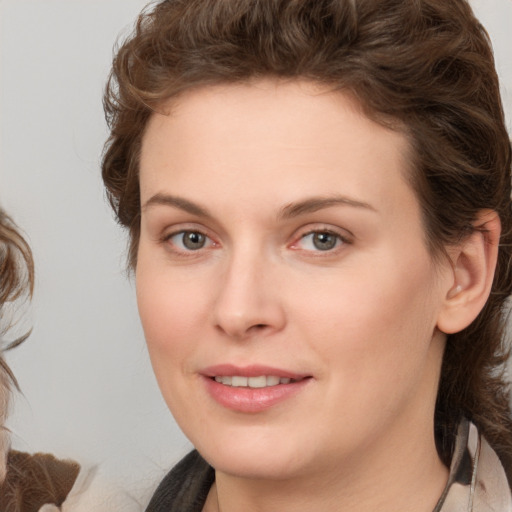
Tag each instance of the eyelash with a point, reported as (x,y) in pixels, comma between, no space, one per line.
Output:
(167,239)
(340,241)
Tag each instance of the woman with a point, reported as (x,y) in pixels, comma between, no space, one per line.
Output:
(318,200)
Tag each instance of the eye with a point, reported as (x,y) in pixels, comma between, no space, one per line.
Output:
(320,241)
(189,240)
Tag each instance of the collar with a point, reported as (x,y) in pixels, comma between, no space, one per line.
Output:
(477,480)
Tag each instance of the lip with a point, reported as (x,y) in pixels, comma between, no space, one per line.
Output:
(252,400)
(222,370)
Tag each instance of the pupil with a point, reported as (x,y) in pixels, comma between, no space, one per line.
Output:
(193,240)
(324,241)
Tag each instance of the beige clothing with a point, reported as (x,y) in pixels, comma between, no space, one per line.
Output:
(477,481)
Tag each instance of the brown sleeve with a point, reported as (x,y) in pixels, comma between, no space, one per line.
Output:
(34,480)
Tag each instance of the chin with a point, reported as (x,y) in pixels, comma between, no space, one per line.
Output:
(255,466)
(254,455)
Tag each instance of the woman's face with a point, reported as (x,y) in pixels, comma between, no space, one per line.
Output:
(286,293)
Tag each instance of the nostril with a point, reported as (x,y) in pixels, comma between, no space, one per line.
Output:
(256,328)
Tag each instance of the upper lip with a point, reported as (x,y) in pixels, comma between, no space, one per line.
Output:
(226,370)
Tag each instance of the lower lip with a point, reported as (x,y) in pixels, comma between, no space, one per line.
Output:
(252,400)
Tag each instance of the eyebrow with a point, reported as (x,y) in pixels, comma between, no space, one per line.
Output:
(176,202)
(314,204)
(289,211)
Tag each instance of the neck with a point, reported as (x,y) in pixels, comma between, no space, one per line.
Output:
(407,476)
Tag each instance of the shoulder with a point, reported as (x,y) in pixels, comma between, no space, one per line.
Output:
(44,483)
(34,480)
(95,491)
(477,480)
(185,487)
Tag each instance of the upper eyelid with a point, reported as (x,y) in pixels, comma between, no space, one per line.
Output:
(315,227)
(164,219)
(330,231)
(171,233)
(343,233)
(183,227)
(343,239)
(167,236)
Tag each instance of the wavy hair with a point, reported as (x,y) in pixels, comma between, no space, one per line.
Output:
(16,281)
(424,67)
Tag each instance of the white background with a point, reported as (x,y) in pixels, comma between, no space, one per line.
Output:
(88,389)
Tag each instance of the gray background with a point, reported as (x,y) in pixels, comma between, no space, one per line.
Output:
(88,389)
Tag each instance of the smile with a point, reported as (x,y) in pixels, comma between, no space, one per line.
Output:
(262,381)
(252,389)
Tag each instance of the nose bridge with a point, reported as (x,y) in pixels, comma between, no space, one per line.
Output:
(248,300)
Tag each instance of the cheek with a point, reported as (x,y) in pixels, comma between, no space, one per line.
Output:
(172,311)
(376,321)
(376,355)
(172,314)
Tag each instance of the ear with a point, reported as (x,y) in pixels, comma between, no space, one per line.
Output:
(473,264)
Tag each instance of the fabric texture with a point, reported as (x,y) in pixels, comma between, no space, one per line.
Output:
(43,483)
(476,483)
(94,492)
(34,480)
(185,488)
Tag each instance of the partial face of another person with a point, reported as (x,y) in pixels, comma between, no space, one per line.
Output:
(286,292)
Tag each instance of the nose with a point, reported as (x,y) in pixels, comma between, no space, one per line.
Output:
(249,300)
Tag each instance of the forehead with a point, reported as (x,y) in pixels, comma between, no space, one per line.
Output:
(278,138)
(305,110)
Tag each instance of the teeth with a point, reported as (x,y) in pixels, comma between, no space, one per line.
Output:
(272,381)
(262,381)
(257,382)
(239,382)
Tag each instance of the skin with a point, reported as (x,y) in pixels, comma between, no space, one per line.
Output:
(360,319)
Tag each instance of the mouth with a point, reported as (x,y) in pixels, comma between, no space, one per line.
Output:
(262,381)
(252,389)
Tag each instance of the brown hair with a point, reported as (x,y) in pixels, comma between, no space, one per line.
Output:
(422,66)
(16,280)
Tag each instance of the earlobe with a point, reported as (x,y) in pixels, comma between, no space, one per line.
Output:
(473,265)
